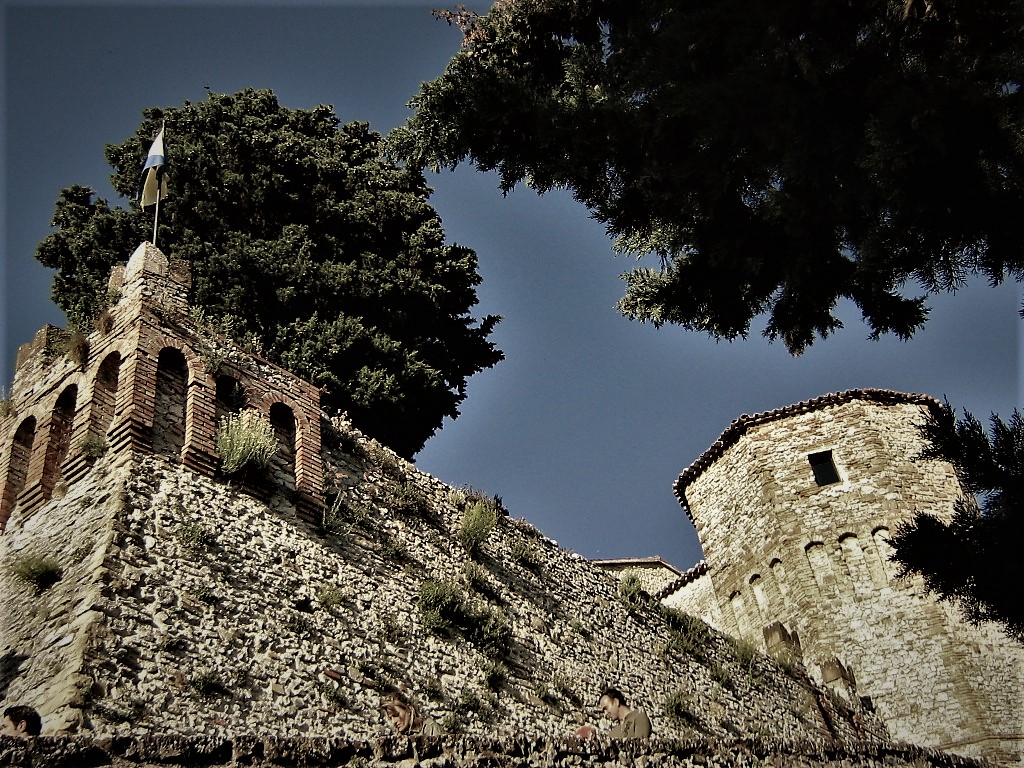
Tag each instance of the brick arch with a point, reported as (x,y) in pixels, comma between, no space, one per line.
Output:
(169,401)
(308,468)
(58,438)
(17,467)
(194,363)
(282,417)
(104,393)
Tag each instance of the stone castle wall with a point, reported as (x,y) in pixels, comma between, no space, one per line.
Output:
(189,606)
(794,562)
(458,752)
(283,604)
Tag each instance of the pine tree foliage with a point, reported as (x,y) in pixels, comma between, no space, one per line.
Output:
(305,245)
(974,559)
(777,156)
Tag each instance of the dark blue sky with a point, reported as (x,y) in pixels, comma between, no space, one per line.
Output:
(586,424)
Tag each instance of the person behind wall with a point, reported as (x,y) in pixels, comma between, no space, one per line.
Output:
(21,722)
(629,723)
(404,719)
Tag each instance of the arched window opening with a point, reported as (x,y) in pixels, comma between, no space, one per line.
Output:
(21,453)
(58,442)
(821,568)
(169,402)
(760,598)
(283,463)
(104,394)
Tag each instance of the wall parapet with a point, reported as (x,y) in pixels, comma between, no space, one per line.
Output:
(147,379)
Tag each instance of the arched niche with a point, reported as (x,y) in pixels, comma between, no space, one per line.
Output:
(283,463)
(17,472)
(58,442)
(104,393)
(169,402)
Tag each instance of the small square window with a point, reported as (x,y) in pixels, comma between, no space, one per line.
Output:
(824,468)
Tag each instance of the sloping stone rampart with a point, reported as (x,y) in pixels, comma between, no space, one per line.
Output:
(201,609)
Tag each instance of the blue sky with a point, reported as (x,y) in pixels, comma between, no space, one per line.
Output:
(586,424)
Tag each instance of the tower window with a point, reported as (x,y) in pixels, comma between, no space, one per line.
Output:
(824,468)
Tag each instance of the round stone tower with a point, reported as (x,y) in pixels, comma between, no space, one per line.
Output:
(794,508)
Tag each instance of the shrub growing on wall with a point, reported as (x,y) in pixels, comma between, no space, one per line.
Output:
(38,571)
(244,440)
(477,523)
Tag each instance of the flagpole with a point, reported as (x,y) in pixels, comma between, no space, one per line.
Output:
(156,214)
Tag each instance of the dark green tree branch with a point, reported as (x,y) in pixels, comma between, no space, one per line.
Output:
(777,156)
(974,559)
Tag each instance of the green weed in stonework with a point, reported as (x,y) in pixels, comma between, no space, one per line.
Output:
(687,634)
(474,575)
(679,707)
(495,675)
(208,685)
(631,590)
(746,657)
(444,609)
(195,536)
(38,571)
(78,349)
(545,694)
(721,675)
(394,550)
(93,446)
(392,631)
(245,440)
(332,694)
(478,521)
(381,674)
(467,703)
(104,322)
(527,556)
(579,628)
(404,498)
(491,633)
(6,406)
(130,711)
(432,689)
(170,644)
(453,723)
(789,659)
(81,552)
(470,495)
(330,596)
(564,688)
(441,605)
(298,624)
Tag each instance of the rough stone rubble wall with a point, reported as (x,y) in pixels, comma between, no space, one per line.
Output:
(201,609)
(458,752)
(782,549)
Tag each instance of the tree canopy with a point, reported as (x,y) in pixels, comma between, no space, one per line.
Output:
(972,560)
(777,156)
(305,245)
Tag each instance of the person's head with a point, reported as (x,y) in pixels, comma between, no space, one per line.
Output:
(21,722)
(399,712)
(613,704)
